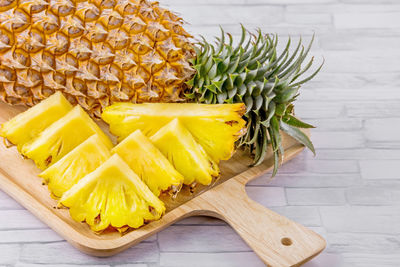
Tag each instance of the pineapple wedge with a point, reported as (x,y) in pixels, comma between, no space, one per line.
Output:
(82,160)
(215,127)
(29,124)
(112,195)
(61,137)
(149,163)
(186,155)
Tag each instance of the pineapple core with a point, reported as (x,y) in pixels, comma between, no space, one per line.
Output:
(149,163)
(29,124)
(61,137)
(186,155)
(112,195)
(82,160)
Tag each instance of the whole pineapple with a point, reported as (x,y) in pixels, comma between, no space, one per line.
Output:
(95,51)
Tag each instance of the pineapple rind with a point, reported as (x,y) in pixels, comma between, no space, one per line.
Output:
(112,195)
(186,155)
(29,124)
(149,163)
(61,137)
(215,127)
(96,52)
(79,162)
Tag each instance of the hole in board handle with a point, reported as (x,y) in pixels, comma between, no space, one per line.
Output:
(286,241)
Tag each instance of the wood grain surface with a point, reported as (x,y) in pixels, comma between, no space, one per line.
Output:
(276,240)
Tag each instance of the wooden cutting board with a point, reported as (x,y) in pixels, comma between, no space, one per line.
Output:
(276,240)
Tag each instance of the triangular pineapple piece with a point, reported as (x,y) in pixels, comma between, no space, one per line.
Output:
(29,124)
(61,137)
(215,127)
(112,195)
(149,163)
(186,155)
(82,160)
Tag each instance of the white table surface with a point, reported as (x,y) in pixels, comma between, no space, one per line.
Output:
(349,193)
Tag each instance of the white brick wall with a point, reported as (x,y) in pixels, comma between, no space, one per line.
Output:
(350,192)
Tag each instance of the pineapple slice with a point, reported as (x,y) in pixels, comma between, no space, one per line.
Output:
(29,124)
(186,155)
(82,160)
(215,127)
(112,195)
(149,163)
(61,137)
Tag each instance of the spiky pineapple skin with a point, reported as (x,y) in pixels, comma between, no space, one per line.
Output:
(215,127)
(96,52)
(149,163)
(79,162)
(112,195)
(185,154)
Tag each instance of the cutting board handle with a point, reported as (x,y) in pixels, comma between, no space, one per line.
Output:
(277,240)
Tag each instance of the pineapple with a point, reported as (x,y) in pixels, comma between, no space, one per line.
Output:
(186,155)
(113,195)
(214,127)
(95,52)
(29,124)
(149,163)
(82,160)
(61,137)
(101,52)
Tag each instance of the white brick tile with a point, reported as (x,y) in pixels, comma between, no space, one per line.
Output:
(371,259)
(19,219)
(299,165)
(363,243)
(23,264)
(7,203)
(63,253)
(367,153)
(308,216)
(339,140)
(308,18)
(357,62)
(230,14)
(380,169)
(373,195)
(315,196)
(368,20)
(383,130)
(268,196)
(374,109)
(9,253)
(380,219)
(318,110)
(237,259)
(326,260)
(309,180)
(337,124)
(200,239)
(25,236)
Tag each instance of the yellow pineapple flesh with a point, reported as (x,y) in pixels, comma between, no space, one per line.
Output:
(61,137)
(29,124)
(82,160)
(185,154)
(149,163)
(112,195)
(95,52)
(215,127)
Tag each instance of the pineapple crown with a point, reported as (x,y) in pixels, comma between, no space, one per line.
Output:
(254,73)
